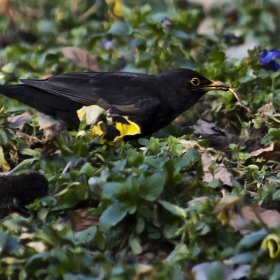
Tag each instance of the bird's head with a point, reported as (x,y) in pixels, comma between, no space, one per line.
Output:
(190,86)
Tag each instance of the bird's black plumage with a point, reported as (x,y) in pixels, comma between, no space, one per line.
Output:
(150,101)
(18,191)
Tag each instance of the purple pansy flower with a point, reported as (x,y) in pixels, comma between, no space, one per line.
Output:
(107,44)
(268,58)
(166,22)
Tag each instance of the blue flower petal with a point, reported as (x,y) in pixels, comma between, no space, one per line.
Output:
(166,22)
(268,58)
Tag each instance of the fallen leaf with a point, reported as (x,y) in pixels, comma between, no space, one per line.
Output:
(230,210)
(207,128)
(81,58)
(219,172)
(240,51)
(269,153)
(20,120)
(268,115)
(81,221)
(46,122)
(4,7)
(191,144)
(255,213)
(29,140)
(207,270)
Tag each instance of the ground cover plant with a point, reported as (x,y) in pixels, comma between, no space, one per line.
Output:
(196,200)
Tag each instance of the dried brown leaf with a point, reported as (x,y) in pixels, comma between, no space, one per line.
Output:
(269,153)
(206,128)
(248,214)
(29,140)
(219,171)
(20,120)
(191,144)
(4,7)
(81,58)
(48,123)
(81,221)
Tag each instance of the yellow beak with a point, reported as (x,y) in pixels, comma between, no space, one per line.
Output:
(216,85)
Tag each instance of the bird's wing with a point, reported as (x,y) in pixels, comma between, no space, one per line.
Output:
(127,92)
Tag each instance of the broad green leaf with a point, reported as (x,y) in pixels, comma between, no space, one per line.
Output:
(86,235)
(3,240)
(110,189)
(4,165)
(152,186)
(244,258)
(154,162)
(120,29)
(188,160)
(214,183)
(88,169)
(112,215)
(134,158)
(140,224)
(181,34)
(3,137)
(25,164)
(135,245)
(250,240)
(174,209)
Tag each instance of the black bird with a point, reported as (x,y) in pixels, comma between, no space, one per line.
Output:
(20,190)
(149,102)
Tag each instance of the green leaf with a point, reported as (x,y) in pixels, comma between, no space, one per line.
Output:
(180,253)
(3,137)
(17,224)
(48,201)
(250,240)
(188,160)
(181,34)
(174,209)
(111,189)
(135,245)
(245,258)
(88,169)
(215,183)
(4,165)
(34,257)
(157,18)
(112,215)
(120,29)
(154,162)
(134,159)
(3,240)
(152,186)
(25,164)
(263,74)
(215,271)
(86,235)
(153,145)
(140,224)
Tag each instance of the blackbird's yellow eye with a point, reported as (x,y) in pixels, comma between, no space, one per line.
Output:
(195,81)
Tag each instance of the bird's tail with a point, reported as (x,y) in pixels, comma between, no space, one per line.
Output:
(50,104)
(22,93)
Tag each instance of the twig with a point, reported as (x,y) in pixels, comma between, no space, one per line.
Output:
(91,10)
